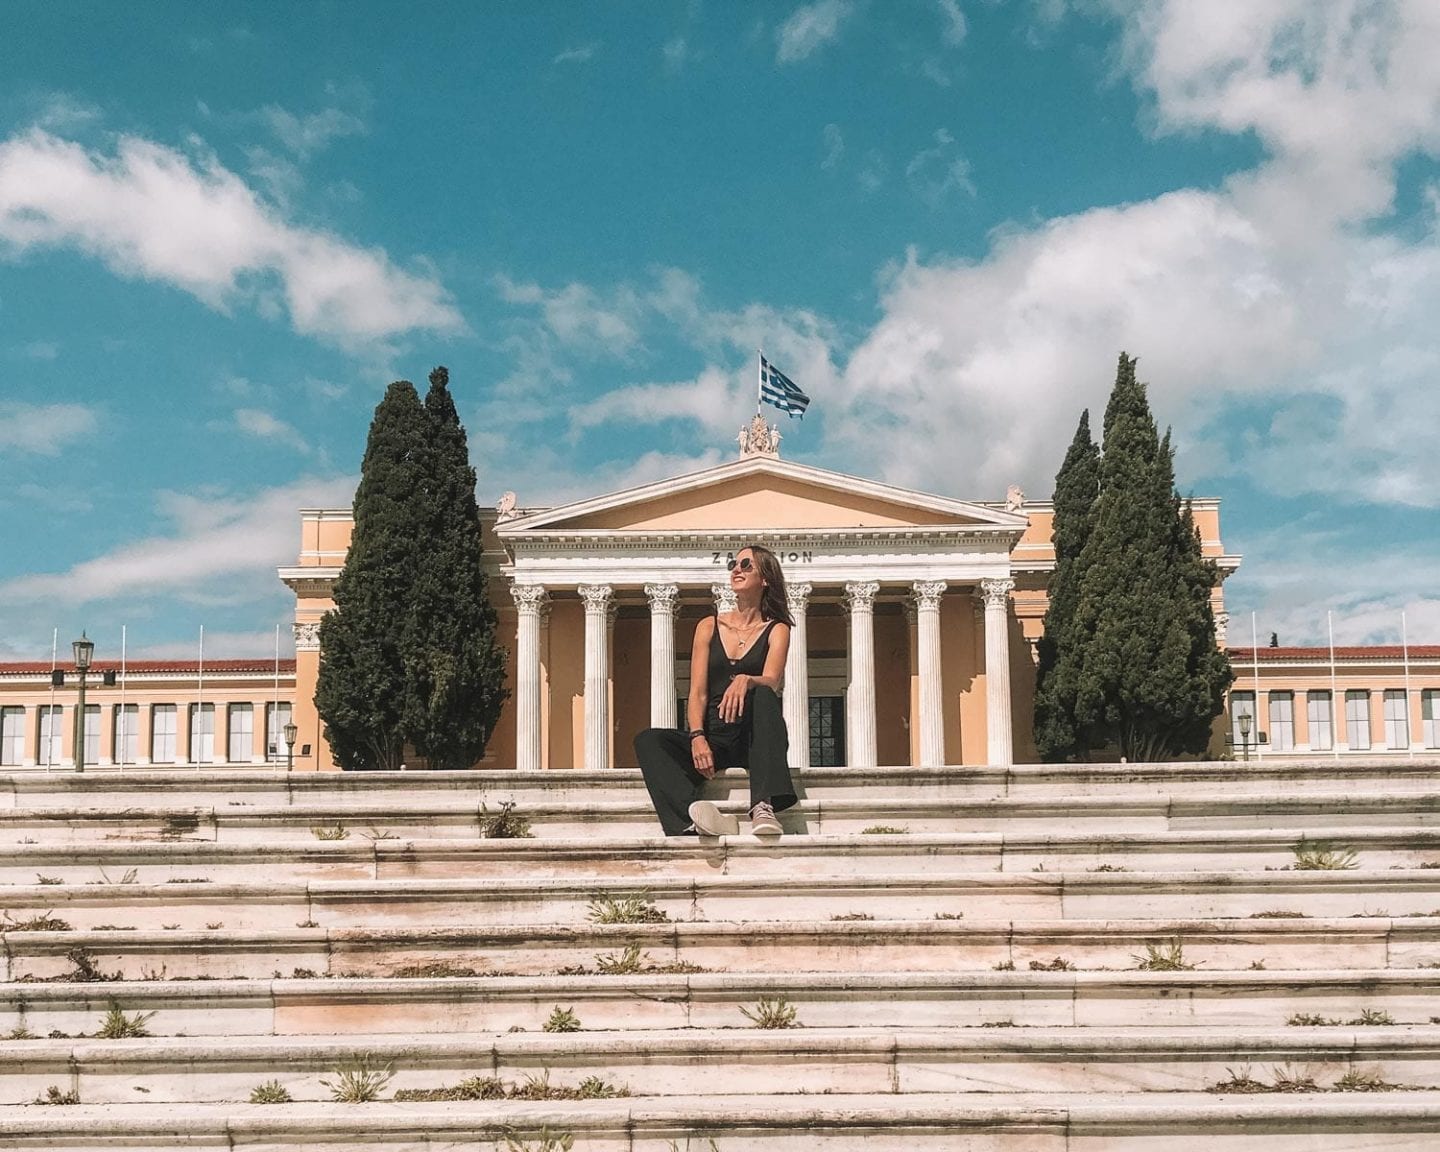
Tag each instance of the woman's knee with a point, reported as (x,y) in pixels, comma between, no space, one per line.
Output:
(767,698)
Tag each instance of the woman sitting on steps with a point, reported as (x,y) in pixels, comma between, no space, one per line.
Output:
(733,715)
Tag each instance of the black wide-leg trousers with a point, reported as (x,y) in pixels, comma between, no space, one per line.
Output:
(758,742)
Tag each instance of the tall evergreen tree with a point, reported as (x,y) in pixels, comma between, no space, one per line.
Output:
(360,693)
(1077,484)
(454,669)
(1151,679)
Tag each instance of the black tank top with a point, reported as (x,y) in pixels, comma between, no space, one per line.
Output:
(723,669)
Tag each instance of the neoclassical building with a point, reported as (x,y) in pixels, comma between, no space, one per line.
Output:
(916,614)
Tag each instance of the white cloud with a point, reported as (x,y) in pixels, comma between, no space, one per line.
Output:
(40,350)
(834,143)
(64,112)
(152,213)
(935,172)
(44,429)
(221,550)
(675,52)
(577,55)
(263,426)
(579,316)
(306,135)
(809,28)
(952,21)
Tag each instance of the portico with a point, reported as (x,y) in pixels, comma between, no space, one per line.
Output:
(902,644)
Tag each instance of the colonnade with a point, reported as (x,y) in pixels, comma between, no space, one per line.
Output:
(532,602)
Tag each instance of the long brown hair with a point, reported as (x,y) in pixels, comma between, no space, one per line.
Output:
(773,603)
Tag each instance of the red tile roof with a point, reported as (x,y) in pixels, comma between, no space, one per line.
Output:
(1377,652)
(179,667)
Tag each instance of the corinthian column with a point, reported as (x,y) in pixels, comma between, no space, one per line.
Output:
(860,697)
(997,669)
(529,606)
(597,680)
(724,597)
(932,718)
(797,678)
(663,598)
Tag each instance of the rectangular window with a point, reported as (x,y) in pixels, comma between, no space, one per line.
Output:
(202,733)
(127,733)
(1320,721)
(827,731)
(50,729)
(1430,717)
(163,749)
(1357,720)
(1397,719)
(12,736)
(1243,704)
(1282,721)
(277,716)
(242,734)
(92,734)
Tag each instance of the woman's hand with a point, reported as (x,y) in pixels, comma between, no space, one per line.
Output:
(704,758)
(732,704)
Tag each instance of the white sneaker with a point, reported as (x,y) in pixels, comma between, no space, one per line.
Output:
(710,821)
(763,821)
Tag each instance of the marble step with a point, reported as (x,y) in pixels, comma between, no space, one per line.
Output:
(216,787)
(1015,851)
(561,903)
(925,945)
(213,1069)
(315,1006)
(881,1122)
(403,817)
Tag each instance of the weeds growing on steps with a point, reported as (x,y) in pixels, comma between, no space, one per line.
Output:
(359,1082)
(884,830)
(777,1013)
(504,824)
(270,1092)
(339,832)
(1321,856)
(636,908)
(1059,964)
(562,1020)
(1164,958)
(53,1095)
(40,922)
(20,1032)
(118,1026)
(710,1145)
(542,1141)
(533,1088)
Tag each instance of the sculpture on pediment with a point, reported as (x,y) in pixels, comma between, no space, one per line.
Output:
(505,507)
(1014,498)
(759,439)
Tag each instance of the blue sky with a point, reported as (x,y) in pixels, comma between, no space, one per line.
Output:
(225,228)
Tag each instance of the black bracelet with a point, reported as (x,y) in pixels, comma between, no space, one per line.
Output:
(696,732)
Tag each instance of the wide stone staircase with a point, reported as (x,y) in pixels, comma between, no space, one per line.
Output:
(1184,958)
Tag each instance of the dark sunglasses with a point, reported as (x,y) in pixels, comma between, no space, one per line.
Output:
(743,564)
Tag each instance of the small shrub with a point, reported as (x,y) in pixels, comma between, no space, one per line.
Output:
(472,1088)
(949,915)
(1059,964)
(40,922)
(53,1095)
(358,1082)
(1005,966)
(128,877)
(339,832)
(562,1020)
(1373,1018)
(1279,914)
(777,1013)
(47,880)
(594,1088)
(83,969)
(1257,966)
(1308,1020)
(1164,958)
(270,1092)
(628,963)
(1323,857)
(842,916)
(1288,1080)
(433,970)
(118,1026)
(504,824)
(1110,868)
(629,909)
(20,1032)
(998,1024)
(884,830)
(1358,1081)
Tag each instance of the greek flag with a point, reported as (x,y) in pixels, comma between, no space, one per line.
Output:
(778,389)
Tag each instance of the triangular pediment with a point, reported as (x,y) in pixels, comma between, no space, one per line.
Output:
(763,493)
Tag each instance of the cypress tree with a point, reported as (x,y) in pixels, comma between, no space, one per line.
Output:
(360,691)
(454,669)
(1057,735)
(1151,679)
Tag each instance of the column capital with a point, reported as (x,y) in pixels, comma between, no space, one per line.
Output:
(996,591)
(529,598)
(797,596)
(724,597)
(928,593)
(307,636)
(1222,626)
(860,595)
(597,597)
(663,598)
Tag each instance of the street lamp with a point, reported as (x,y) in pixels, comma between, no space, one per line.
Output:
(1244,721)
(292,733)
(84,649)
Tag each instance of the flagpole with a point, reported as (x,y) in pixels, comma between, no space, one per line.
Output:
(1255,661)
(197,729)
(759,378)
(124,718)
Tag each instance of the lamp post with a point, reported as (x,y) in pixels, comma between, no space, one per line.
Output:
(1244,721)
(84,649)
(292,733)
